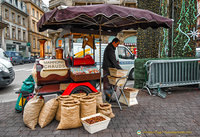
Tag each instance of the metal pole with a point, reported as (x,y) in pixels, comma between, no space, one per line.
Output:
(100,54)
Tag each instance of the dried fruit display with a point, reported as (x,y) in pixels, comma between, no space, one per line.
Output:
(95,119)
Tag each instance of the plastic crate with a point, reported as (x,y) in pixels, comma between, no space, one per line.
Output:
(98,126)
(118,72)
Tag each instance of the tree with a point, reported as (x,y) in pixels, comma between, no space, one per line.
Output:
(148,40)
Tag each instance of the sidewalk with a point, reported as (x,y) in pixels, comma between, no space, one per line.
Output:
(176,116)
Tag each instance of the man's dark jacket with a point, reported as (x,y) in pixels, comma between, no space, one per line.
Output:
(109,58)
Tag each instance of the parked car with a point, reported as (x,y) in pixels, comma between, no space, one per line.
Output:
(7,74)
(15,57)
(29,59)
(3,55)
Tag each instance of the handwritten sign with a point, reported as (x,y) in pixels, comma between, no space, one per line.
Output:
(53,64)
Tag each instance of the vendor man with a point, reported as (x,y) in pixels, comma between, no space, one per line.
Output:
(109,61)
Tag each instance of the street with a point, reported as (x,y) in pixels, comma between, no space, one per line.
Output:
(7,94)
(22,72)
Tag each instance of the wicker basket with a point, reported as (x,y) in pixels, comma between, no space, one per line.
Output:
(118,72)
(113,80)
(85,77)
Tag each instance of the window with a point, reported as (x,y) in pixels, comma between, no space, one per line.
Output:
(40,15)
(7,32)
(33,25)
(124,53)
(34,43)
(19,19)
(37,15)
(38,45)
(13,16)
(33,12)
(19,34)
(24,36)
(16,2)
(23,21)
(13,33)
(6,14)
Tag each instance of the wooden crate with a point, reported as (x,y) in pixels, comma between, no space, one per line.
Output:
(113,80)
(85,77)
(131,101)
(118,72)
(130,92)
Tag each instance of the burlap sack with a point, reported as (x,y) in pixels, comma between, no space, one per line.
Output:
(78,95)
(105,108)
(32,111)
(88,106)
(98,96)
(62,99)
(48,112)
(70,115)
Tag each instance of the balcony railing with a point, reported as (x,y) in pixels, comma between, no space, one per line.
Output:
(18,5)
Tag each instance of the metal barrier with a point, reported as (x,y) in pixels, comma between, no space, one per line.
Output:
(170,73)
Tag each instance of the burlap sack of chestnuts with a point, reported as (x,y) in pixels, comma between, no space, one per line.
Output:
(88,106)
(62,99)
(32,111)
(105,108)
(98,96)
(77,96)
(48,112)
(70,115)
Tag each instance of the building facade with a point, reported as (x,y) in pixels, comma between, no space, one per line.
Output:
(14,13)
(2,28)
(127,37)
(36,9)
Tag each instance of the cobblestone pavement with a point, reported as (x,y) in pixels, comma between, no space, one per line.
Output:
(176,116)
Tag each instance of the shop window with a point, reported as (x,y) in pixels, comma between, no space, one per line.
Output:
(34,43)
(33,12)
(13,33)
(24,36)
(132,5)
(13,17)
(19,19)
(19,34)
(6,14)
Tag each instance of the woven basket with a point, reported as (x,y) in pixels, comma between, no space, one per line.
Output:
(118,72)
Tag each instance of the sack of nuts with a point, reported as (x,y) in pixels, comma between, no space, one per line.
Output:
(62,99)
(98,96)
(88,106)
(105,108)
(70,115)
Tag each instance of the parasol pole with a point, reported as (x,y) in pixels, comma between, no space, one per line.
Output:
(100,53)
